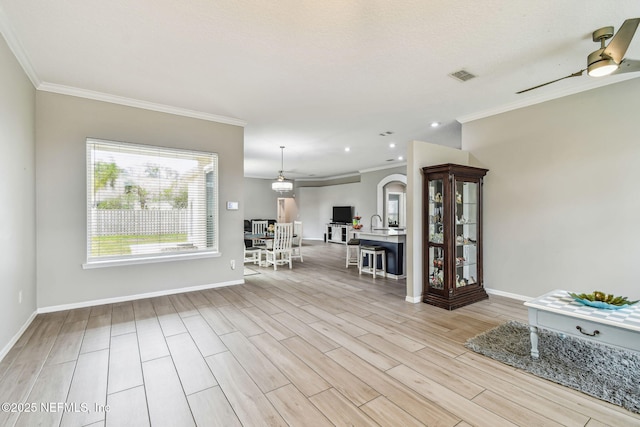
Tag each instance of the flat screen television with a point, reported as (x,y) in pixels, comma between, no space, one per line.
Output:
(342,214)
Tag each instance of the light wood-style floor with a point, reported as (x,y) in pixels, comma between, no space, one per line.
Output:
(313,346)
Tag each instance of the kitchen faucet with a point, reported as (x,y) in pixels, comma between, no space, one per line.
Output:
(371,221)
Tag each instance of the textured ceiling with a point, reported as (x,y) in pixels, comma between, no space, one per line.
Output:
(316,76)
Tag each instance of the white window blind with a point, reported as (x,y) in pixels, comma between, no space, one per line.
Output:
(149,202)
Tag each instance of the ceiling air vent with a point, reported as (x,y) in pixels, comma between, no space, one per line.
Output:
(462,75)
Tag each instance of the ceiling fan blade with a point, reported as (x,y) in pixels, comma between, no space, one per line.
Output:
(620,42)
(576,74)
(627,66)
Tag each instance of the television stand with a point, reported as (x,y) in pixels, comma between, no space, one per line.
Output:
(339,233)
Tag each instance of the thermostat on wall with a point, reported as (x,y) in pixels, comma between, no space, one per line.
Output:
(232,206)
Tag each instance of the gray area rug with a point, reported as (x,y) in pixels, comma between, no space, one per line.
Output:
(604,372)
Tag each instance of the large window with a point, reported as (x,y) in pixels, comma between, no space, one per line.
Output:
(149,203)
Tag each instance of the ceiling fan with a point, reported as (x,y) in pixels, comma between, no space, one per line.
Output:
(608,59)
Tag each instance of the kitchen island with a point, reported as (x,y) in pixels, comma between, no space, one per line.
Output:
(394,241)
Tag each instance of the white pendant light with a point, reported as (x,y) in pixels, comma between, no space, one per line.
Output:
(282,184)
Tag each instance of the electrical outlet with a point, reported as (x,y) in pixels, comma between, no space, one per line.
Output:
(20,297)
(233,264)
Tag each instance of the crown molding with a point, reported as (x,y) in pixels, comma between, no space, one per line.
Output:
(259,177)
(347,175)
(16,48)
(378,168)
(591,84)
(309,179)
(23,59)
(130,102)
(328,178)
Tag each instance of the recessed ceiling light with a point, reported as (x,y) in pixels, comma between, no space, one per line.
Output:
(347,149)
(399,157)
(392,145)
(435,124)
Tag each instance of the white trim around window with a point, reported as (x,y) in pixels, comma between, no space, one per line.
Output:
(149,204)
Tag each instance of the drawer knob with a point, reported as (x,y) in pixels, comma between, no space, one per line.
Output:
(596,332)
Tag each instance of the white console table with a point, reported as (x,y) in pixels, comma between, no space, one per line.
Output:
(339,233)
(557,311)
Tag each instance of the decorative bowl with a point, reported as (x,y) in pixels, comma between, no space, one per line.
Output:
(593,302)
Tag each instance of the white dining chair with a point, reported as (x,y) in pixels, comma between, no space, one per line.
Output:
(296,243)
(280,251)
(252,255)
(259,227)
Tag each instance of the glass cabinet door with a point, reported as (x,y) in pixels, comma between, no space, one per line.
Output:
(437,271)
(436,268)
(466,234)
(436,211)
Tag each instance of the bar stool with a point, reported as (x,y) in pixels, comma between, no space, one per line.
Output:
(371,253)
(353,252)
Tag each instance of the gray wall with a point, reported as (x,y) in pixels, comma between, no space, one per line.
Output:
(368,187)
(63,124)
(315,203)
(260,201)
(562,204)
(17,193)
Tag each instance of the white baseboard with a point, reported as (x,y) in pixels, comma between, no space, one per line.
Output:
(507,294)
(17,336)
(114,300)
(413,300)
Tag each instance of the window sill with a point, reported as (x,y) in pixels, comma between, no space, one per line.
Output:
(149,260)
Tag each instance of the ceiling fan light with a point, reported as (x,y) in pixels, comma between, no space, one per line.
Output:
(599,65)
(602,68)
(282,184)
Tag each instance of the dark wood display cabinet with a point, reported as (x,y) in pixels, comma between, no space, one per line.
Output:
(452,241)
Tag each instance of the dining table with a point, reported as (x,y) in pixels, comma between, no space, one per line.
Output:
(260,236)
(257,236)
